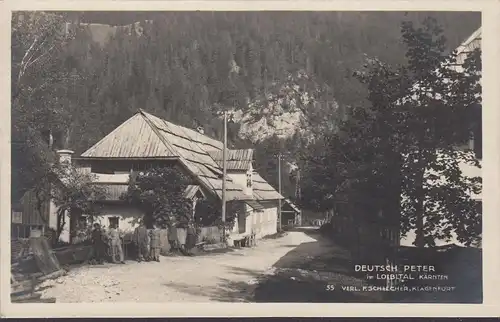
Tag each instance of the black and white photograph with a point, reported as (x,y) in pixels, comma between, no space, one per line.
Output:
(246,157)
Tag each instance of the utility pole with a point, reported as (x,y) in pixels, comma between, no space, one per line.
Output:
(224,156)
(298,220)
(279,190)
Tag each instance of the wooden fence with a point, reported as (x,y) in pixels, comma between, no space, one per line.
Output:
(210,234)
(206,233)
(79,253)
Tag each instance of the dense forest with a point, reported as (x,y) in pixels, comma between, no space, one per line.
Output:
(185,67)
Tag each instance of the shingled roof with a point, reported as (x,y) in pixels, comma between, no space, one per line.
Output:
(240,159)
(145,136)
(262,190)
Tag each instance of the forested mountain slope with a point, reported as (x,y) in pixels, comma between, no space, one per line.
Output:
(282,73)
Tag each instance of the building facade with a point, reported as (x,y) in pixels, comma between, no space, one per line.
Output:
(259,215)
(145,141)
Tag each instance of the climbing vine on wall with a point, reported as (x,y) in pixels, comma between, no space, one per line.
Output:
(159,192)
(208,212)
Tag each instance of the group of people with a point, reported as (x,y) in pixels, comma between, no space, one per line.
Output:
(109,244)
(147,243)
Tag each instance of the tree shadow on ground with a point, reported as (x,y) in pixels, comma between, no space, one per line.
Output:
(235,270)
(302,275)
(318,271)
(227,290)
(305,274)
(319,255)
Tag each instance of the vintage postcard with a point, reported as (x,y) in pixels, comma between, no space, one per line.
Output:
(264,159)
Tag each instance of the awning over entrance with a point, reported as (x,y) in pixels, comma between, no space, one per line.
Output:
(254,204)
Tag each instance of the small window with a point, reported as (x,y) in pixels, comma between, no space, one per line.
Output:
(249,180)
(114,222)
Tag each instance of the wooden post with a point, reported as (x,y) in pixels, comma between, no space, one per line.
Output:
(279,190)
(224,156)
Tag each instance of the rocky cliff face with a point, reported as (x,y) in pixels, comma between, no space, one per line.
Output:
(291,108)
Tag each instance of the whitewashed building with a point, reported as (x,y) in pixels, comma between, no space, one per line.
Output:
(262,211)
(145,141)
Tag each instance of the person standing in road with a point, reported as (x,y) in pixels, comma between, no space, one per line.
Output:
(116,245)
(148,245)
(172,237)
(155,244)
(107,243)
(191,237)
(141,242)
(99,244)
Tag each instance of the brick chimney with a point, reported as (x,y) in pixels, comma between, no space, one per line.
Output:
(64,156)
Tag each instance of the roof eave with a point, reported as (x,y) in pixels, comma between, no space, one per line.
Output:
(125,158)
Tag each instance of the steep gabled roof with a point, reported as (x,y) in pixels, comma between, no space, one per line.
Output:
(146,136)
(134,138)
(240,159)
(262,190)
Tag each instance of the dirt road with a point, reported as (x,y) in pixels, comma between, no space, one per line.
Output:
(230,276)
